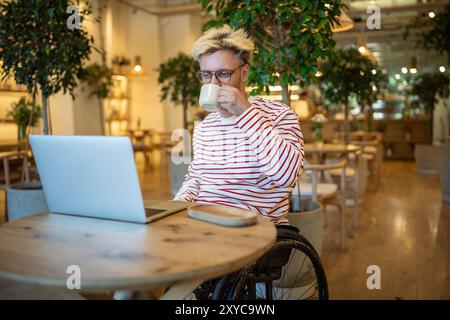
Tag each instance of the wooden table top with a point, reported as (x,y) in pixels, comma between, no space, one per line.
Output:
(118,255)
(330,148)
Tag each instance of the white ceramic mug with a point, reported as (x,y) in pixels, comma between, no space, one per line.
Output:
(209,94)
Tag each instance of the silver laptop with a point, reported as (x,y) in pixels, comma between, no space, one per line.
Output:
(94,176)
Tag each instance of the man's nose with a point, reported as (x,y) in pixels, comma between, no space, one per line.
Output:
(214,80)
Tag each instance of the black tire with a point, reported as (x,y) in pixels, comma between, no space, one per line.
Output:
(244,285)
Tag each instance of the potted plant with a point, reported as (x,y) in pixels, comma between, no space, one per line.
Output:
(119,62)
(98,78)
(25,114)
(318,121)
(179,83)
(432,34)
(429,87)
(290,37)
(42,53)
(347,74)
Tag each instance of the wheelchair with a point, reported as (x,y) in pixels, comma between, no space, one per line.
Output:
(291,270)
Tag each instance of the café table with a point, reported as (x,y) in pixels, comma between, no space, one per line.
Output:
(321,151)
(177,252)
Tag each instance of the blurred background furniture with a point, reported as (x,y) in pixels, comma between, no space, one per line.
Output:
(427,158)
(142,140)
(327,193)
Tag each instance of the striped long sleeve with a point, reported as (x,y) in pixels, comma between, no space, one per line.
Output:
(249,162)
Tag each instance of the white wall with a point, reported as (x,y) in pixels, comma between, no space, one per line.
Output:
(178,34)
(80,116)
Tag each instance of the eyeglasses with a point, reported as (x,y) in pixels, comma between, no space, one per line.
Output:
(221,75)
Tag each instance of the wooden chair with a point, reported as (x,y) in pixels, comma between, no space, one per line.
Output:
(20,155)
(141,141)
(355,182)
(326,193)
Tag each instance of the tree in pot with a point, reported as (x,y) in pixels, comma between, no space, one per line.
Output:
(179,82)
(433,34)
(429,87)
(25,114)
(39,50)
(290,36)
(347,74)
(98,78)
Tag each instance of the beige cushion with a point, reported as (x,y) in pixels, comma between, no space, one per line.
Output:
(349,172)
(323,189)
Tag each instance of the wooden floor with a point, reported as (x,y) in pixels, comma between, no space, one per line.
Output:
(404,229)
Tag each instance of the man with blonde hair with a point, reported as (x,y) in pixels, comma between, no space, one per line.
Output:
(249,153)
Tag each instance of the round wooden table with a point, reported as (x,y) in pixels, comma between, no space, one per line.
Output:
(176,251)
(329,148)
(321,151)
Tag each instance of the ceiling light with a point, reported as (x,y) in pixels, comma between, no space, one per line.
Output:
(431,14)
(397,76)
(442,69)
(404,70)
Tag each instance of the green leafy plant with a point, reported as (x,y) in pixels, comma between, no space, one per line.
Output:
(39,50)
(347,74)
(98,79)
(290,36)
(428,87)
(433,33)
(179,82)
(25,114)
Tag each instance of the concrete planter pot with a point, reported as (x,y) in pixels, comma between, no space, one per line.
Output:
(24,199)
(427,158)
(445,172)
(310,222)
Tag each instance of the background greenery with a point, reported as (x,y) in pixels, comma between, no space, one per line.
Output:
(290,36)
(39,50)
(348,74)
(25,114)
(179,82)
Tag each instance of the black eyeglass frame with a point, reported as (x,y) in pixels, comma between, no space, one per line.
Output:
(215,74)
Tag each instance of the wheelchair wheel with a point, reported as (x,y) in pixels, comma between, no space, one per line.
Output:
(291,270)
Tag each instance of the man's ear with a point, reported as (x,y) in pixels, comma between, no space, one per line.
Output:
(244,73)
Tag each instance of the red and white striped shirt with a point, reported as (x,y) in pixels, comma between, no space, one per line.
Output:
(250,162)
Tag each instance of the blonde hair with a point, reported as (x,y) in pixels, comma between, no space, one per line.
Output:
(224,38)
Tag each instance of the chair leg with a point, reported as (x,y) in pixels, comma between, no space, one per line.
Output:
(343,223)
(6,168)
